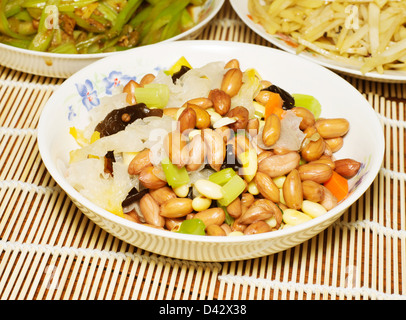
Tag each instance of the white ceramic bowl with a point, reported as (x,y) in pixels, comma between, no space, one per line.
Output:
(64,65)
(364,142)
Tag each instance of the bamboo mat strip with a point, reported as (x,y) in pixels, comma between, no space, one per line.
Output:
(50,250)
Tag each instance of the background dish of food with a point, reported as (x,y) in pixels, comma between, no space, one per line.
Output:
(62,65)
(287,43)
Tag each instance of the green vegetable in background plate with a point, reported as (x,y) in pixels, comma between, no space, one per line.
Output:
(90,26)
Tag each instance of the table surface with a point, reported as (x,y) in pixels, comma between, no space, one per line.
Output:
(50,250)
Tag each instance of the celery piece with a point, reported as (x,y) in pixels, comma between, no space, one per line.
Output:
(222,177)
(308,102)
(192,226)
(107,12)
(154,95)
(175,176)
(232,189)
(23,16)
(4,26)
(15,42)
(86,24)
(67,48)
(161,14)
(172,28)
(197,2)
(124,16)
(187,21)
(140,17)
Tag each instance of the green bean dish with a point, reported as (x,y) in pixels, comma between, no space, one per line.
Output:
(90,26)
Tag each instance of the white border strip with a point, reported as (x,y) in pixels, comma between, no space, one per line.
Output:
(17,131)
(96,253)
(28,85)
(309,288)
(391,122)
(373,226)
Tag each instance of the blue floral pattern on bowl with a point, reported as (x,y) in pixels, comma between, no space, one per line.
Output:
(88,94)
(115,79)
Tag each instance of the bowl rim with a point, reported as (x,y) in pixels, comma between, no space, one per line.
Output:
(91,56)
(335,212)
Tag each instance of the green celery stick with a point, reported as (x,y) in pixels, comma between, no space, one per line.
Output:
(19,43)
(67,48)
(4,25)
(43,38)
(140,17)
(192,226)
(175,176)
(83,23)
(107,11)
(64,5)
(187,21)
(164,17)
(222,177)
(154,95)
(232,189)
(172,28)
(124,16)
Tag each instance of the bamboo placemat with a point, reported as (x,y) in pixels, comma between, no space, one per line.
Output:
(50,250)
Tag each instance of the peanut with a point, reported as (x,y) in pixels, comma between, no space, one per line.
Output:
(202,116)
(307,116)
(215,230)
(335,144)
(272,130)
(221,101)
(266,186)
(332,128)
(233,63)
(211,216)
(261,209)
(348,168)
(292,190)
(329,201)
(150,210)
(176,208)
(149,178)
(234,208)
(139,162)
(241,115)
(147,79)
(317,172)
(312,191)
(171,112)
(313,150)
(187,119)
(174,145)
(196,149)
(279,165)
(129,89)
(203,103)
(216,148)
(232,81)
(162,195)
(257,227)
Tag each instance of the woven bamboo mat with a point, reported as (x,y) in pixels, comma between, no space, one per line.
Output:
(50,250)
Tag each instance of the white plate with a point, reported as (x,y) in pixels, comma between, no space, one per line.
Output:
(64,65)
(241,8)
(67,108)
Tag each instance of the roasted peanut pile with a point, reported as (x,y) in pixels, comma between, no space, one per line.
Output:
(275,187)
